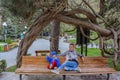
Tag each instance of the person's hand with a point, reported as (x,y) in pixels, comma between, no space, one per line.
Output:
(48,54)
(38,54)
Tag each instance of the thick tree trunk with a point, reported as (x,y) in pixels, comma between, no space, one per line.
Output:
(31,35)
(55,32)
(78,36)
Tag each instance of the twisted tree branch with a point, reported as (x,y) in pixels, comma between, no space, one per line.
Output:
(82,11)
(81,29)
(84,24)
(96,14)
(101,46)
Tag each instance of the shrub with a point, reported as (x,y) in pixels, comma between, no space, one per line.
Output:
(9,40)
(11,69)
(28,54)
(3,65)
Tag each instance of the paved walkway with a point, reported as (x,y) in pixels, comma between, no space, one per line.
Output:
(13,76)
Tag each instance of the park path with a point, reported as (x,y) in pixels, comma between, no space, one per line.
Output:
(13,76)
(38,44)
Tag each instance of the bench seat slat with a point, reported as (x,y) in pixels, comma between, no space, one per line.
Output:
(81,66)
(93,65)
(83,71)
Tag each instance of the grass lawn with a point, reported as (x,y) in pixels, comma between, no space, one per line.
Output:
(110,61)
(91,51)
(72,40)
(1,46)
(2,42)
(11,69)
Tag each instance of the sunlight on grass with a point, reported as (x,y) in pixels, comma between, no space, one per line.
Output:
(110,61)
(91,51)
(72,41)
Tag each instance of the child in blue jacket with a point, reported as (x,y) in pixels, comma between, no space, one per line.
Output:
(53,60)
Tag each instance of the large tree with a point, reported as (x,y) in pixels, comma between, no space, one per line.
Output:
(55,32)
(104,20)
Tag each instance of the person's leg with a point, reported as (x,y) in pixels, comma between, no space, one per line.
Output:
(61,67)
(54,64)
(66,63)
(48,66)
(51,66)
(71,66)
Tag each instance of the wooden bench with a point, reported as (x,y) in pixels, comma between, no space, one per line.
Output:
(37,65)
(43,52)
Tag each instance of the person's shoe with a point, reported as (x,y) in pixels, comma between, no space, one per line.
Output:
(55,71)
(55,68)
(78,69)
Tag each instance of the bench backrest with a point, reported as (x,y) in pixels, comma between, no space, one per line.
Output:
(40,52)
(41,61)
(37,60)
(94,62)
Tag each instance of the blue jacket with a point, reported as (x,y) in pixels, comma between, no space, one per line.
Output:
(51,59)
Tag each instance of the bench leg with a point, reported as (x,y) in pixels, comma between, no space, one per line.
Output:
(64,77)
(108,76)
(20,76)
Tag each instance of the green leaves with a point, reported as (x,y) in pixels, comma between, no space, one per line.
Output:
(3,65)
(21,8)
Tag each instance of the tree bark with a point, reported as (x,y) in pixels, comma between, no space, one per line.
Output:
(85,24)
(87,13)
(78,36)
(101,7)
(31,35)
(55,32)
